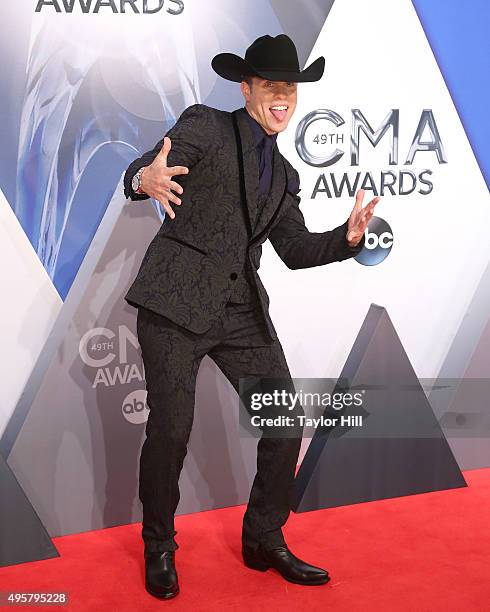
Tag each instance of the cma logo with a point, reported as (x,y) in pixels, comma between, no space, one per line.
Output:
(116,6)
(377,244)
(107,353)
(134,407)
(320,141)
(391,124)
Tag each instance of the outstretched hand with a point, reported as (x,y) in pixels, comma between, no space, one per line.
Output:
(359,218)
(156,179)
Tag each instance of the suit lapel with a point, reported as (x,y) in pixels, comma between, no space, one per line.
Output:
(275,196)
(249,178)
(248,165)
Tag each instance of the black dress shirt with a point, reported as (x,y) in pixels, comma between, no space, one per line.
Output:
(264,147)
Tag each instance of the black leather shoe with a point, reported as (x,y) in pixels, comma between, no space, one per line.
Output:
(160,574)
(288,565)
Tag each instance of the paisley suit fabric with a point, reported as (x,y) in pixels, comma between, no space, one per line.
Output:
(188,271)
(239,345)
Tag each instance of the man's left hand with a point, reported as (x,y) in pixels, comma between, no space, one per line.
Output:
(359,218)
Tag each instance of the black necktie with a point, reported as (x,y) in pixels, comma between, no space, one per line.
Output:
(265,165)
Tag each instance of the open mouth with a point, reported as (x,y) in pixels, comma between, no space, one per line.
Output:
(279,111)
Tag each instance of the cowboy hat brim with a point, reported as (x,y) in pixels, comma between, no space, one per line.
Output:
(234,68)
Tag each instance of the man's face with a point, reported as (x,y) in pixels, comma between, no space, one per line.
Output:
(271,103)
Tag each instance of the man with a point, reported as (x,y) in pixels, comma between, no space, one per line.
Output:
(198,291)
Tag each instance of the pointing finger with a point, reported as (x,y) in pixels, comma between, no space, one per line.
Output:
(178,170)
(359,199)
(168,208)
(175,187)
(374,201)
(173,198)
(164,151)
(370,205)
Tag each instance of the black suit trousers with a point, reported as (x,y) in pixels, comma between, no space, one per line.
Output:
(239,344)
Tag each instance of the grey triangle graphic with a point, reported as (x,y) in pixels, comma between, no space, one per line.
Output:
(23,537)
(70,306)
(462,406)
(83,411)
(469,333)
(302,21)
(400,448)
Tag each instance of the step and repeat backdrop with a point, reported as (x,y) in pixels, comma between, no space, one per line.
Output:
(89,85)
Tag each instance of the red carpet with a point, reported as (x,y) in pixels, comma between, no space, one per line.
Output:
(425,552)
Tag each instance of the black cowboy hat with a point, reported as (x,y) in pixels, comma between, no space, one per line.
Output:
(272,58)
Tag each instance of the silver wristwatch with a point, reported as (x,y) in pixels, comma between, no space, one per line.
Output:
(136,181)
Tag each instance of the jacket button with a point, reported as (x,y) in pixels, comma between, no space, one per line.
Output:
(233,276)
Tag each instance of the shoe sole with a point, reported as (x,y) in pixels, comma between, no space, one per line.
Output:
(263,567)
(162,595)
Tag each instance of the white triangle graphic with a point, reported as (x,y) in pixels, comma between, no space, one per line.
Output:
(30,305)
(378,59)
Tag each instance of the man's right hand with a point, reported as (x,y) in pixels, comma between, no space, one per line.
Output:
(156,179)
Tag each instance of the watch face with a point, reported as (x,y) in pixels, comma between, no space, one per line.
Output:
(135,182)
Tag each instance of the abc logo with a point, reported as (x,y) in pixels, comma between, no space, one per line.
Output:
(134,407)
(378,242)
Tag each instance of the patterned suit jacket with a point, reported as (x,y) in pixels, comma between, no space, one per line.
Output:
(188,270)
